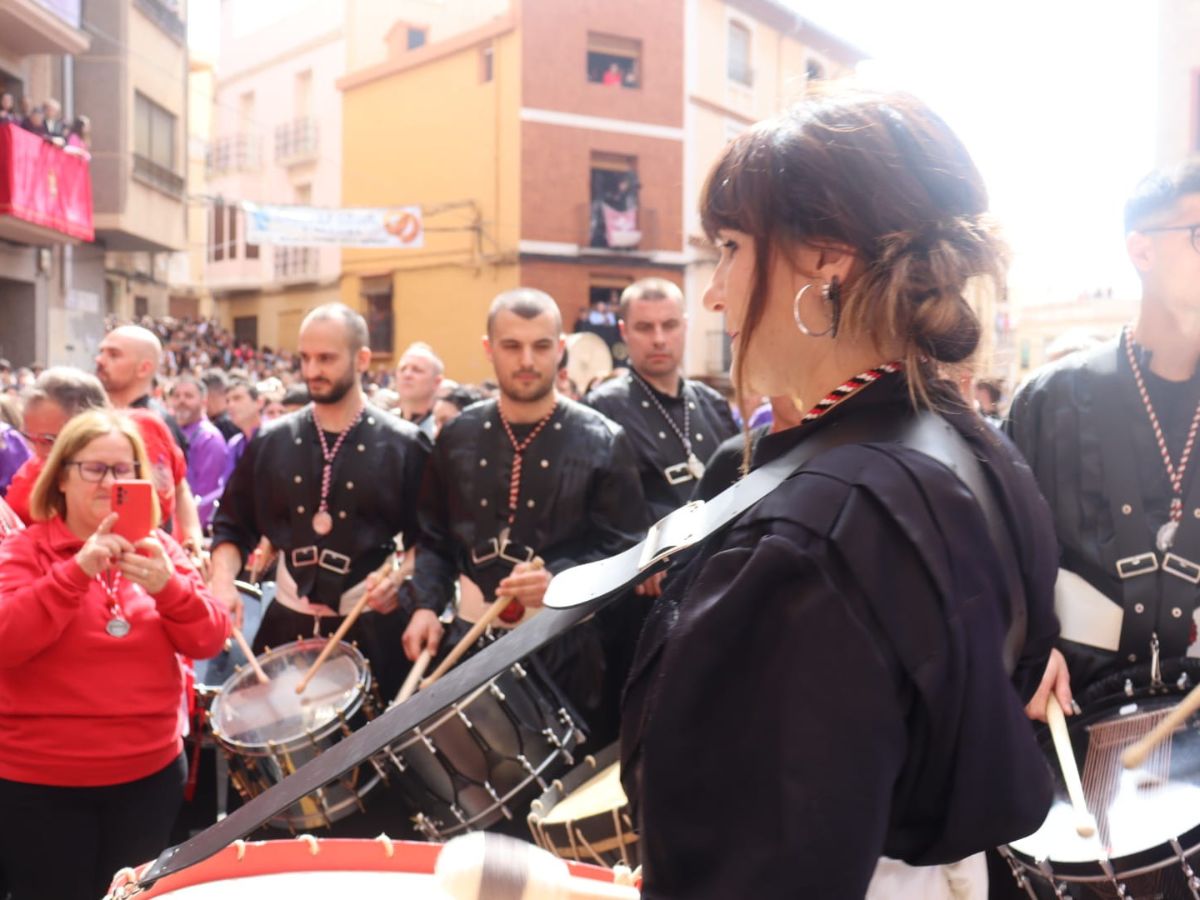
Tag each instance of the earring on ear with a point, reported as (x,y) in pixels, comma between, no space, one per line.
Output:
(798,319)
(832,294)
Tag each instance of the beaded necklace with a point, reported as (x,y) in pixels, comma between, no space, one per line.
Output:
(849,388)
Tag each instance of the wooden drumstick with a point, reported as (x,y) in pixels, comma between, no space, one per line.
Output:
(489,616)
(1135,755)
(1084,823)
(334,640)
(414,676)
(481,865)
(241,642)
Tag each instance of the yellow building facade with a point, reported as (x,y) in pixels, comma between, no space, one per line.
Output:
(437,128)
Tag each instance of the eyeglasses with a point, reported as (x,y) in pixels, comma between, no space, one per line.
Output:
(96,471)
(1194,229)
(41,440)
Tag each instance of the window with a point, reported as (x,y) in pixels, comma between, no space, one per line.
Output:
(153,133)
(614,61)
(245,330)
(141,307)
(377,295)
(487,61)
(614,206)
(217,245)
(303,94)
(234,212)
(246,112)
(739,54)
(813,70)
(415,38)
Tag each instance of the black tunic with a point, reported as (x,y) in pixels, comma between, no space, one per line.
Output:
(1053,423)
(823,685)
(629,403)
(276,487)
(580,498)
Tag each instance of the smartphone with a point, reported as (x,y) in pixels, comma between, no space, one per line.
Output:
(133,502)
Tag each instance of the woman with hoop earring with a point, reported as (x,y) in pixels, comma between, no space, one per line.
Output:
(832,693)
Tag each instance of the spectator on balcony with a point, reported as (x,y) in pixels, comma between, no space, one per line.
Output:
(8,109)
(52,116)
(612,76)
(207,451)
(35,122)
(79,138)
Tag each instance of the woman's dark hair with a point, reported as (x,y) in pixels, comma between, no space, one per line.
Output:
(882,174)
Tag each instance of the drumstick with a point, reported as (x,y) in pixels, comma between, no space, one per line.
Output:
(472,636)
(1084,823)
(1136,754)
(482,865)
(414,676)
(334,640)
(469,638)
(241,642)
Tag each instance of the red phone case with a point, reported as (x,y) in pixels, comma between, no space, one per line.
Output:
(133,502)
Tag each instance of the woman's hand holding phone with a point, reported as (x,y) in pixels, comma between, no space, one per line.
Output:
(146,564)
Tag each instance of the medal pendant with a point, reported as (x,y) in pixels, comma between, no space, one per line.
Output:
(695,466)
(117,627)
(322,523)
(1166,536)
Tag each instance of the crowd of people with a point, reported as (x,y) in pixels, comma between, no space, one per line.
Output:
(827,692)
(46,121)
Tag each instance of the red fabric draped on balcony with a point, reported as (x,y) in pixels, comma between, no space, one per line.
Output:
(43,185)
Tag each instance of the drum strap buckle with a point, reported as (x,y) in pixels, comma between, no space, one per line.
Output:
(1174,564)
(678,473)
(304,556)
(485,552)
(675,531)
(1139,564)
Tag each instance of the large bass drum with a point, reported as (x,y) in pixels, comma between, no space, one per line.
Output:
(1147,843)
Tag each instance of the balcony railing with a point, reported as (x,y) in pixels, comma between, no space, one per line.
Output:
(45,192)
(296,263)
(159,177)
(632,229)
(237,153)
(296,141)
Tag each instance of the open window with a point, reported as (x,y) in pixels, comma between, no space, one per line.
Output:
(739,68)
(377,298)
(614,61)
(614,202)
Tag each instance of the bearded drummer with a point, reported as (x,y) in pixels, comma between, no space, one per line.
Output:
(522,487)
(329,486)
(1111,436)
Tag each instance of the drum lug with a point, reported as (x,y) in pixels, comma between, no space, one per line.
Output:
(463,716)
(495,691)
(458,814)
(429,744)
(518,670)
(1193,882)
(1122,891)
(1059,888)
(1128,687)
(1183,682)
(1018,872)
(425,826)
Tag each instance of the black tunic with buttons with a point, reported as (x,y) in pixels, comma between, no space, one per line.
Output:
(823,683)
(631,404)
(276,487)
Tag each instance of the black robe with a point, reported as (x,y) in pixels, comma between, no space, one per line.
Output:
(657,446)
(824,685)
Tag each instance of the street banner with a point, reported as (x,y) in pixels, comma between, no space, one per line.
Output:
(311,226)
(44,185)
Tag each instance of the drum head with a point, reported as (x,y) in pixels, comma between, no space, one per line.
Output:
(1137,812)
(248,714)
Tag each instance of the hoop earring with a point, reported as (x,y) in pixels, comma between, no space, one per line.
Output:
(804,329)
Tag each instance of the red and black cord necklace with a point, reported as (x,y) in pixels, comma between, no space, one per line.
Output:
(519,448)
(1165,537)
(849,388)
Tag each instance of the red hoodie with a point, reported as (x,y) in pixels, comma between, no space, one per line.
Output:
(79,707)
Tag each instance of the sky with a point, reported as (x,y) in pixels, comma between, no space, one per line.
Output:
(1055,100)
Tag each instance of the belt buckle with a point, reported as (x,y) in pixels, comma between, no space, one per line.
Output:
(678,473)
(515,560)
(1133,566)
(304,556)
(1176,565)
(333,561)
(480,558)
(670,534)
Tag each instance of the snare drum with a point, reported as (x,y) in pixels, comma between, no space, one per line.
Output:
(485,757)
(585,816)
(1147,842)
(308,868)
(268,731)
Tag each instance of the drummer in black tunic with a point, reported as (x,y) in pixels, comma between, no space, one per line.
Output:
(1111,434)
(827,682)
(527,477)
(329,486)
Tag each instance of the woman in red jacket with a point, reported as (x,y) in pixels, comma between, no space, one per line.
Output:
(91,762)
